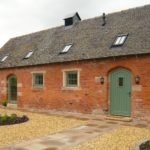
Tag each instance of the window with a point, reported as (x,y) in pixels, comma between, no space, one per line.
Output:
(38,80)
(68,21)
(71,79)
(120,40)
(28,55)
(66,48)
(4,58)
(120,81)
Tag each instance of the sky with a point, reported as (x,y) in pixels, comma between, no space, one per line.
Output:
(19,17)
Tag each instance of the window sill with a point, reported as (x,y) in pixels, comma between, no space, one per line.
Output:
(38,88)
(71,88)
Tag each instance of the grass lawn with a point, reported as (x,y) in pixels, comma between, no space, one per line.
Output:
(124,138)
(38,125)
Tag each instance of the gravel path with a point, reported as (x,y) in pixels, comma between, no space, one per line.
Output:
(37,126)
(119,139)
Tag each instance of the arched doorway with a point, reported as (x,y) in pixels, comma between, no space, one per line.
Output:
(120,92)
(12,89)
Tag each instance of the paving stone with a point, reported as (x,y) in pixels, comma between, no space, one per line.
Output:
(98,119)
(52,142)
(103,126)
(51,148)
(92,125)
(126,124)
(20,148)
(112,122)
(141,125)
(68,138)
(97,130)
(35,146)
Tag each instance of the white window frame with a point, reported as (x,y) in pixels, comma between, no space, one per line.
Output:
(4,58)
(120,40)
(33,79)
(28,55)
(66,48)
(65,71)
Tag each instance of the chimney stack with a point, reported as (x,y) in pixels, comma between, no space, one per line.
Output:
(104,19)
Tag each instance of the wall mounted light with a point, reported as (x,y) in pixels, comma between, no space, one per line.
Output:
(137,79)
(102,80)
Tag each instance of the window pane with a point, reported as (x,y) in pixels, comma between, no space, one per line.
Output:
(68,21)
(38,80)
(4,58)
(117,40)
(122,40)
(71,78)
(29,54)
(66,48)
(120,81)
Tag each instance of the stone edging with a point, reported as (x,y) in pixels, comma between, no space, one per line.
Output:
(141,142)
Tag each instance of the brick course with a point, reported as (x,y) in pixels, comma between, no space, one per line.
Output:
(91,96)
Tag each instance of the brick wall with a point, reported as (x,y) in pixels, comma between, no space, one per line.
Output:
(91,96)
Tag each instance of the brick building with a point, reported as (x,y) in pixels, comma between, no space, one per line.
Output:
(100,64)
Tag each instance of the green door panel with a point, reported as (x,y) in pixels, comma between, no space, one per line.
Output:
(12,89)
(120,92)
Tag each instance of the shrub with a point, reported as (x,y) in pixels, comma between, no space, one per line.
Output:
(4,103)
(4,118)
(13,117)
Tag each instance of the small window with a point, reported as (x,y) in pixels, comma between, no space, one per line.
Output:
(120,40)
(66,48)
(4,58)
(120,81)
(38,80)
(28,55)
(68,21)
(71,79)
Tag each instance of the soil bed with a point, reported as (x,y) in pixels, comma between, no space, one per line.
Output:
(145,146)
(10,121)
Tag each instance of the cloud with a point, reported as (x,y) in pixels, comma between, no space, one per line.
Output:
(20,17)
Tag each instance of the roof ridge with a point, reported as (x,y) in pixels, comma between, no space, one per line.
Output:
(52,28)
(91,40)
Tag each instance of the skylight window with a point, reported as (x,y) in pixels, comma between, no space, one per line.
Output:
(66,48)
(120,40)
(28,55)
(4,58)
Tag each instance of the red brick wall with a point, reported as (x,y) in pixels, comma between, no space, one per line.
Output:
(92,94)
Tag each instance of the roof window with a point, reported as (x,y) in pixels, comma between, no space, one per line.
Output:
(120,40)
(4,58)
(66,48)
(28,55)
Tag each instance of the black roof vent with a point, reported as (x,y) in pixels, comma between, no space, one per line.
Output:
(104,19)
(72,19)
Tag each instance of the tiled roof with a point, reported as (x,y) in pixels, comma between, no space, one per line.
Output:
(90,40)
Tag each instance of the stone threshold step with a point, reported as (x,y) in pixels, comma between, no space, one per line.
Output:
(118,118)
(10,105)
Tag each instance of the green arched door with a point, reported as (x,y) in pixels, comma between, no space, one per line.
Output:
(12,89)
(120,92)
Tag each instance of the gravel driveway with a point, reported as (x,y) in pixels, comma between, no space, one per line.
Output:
(124,138)
(37,126)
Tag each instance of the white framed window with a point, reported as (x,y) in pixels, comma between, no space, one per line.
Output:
(38,80)
(4,58)
(66,48)
(120,40)
(71,79)
(29,54)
